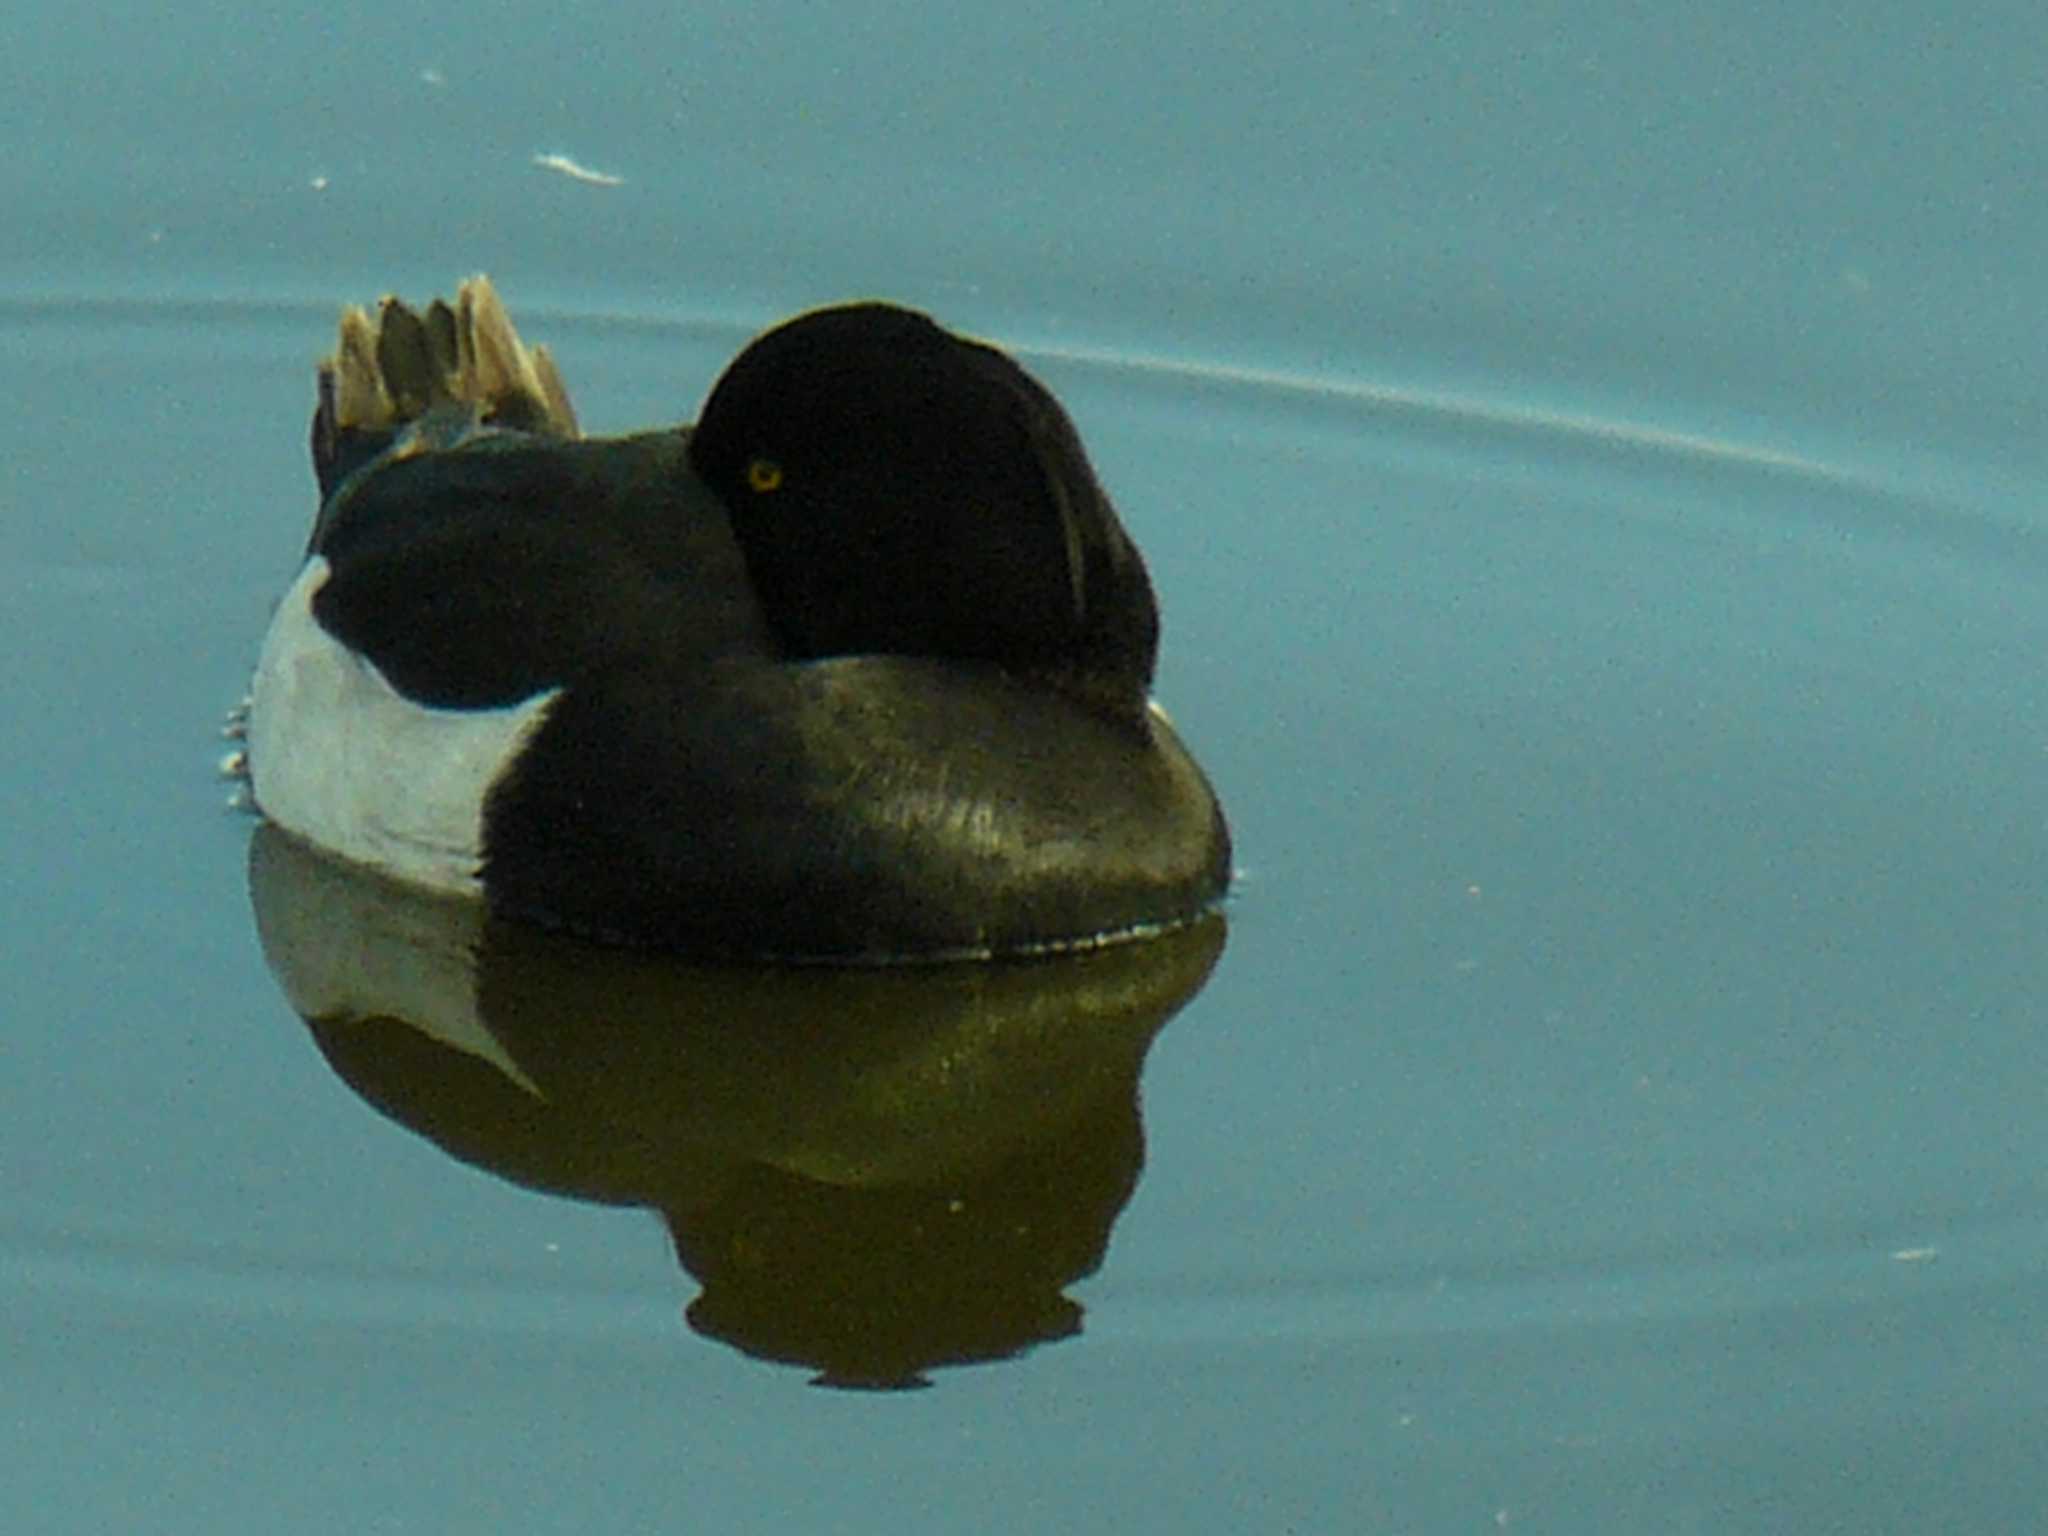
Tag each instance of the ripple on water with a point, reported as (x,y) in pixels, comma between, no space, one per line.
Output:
(1643,816)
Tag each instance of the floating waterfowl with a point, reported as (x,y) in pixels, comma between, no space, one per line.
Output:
(856,669)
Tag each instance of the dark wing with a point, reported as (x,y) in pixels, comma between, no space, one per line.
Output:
(479,575)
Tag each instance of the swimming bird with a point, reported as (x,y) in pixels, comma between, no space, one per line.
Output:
(856,668)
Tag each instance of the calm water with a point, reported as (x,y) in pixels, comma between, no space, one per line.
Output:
(1615,631)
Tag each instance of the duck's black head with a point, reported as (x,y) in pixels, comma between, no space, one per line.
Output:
(897,489)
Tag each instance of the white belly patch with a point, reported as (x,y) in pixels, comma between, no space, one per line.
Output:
(340,757)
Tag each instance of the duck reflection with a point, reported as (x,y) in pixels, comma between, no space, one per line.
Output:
(869,1172)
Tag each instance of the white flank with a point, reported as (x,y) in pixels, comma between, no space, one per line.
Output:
(340,757)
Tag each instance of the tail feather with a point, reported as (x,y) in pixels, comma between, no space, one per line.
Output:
(389,372)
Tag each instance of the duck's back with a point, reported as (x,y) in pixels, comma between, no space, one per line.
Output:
(477,576)
(450,598)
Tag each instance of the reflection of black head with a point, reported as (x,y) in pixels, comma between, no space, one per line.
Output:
(897,489)
(874,1287)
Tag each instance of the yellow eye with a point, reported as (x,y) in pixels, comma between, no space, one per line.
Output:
(764,475)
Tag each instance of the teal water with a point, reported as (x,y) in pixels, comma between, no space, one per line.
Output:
(1592,477)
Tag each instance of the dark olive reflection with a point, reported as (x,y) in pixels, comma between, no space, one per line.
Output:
(870,1172)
